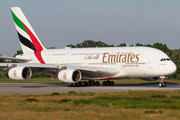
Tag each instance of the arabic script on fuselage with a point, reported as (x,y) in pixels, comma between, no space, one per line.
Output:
(92,57)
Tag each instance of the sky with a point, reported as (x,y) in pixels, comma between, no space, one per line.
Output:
(59,23)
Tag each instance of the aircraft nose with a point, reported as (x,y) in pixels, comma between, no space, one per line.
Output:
(172,68)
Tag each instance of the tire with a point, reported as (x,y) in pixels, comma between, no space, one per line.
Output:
(160,85)
(82,84)
(112,83)
(164,84)
(93,83)
(74,84)
(108,83)
(85,83)
(97,83)
(89,83)
(70,84)
(79,84)
(104,83)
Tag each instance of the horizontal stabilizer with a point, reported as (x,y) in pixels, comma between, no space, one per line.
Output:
(13,58)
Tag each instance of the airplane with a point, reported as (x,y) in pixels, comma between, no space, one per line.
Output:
(71,65)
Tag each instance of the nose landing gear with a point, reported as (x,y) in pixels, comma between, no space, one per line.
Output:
(162,83)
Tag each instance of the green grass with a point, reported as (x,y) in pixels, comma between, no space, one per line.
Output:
(149,102)
(135,105)
(55,93)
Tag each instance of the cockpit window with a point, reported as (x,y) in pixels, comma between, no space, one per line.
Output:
(165,59)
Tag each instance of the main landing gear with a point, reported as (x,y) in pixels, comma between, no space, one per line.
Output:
(162,83)
(89,83)
(108,83)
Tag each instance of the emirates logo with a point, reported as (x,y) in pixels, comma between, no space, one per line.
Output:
(65,76)
(15,73)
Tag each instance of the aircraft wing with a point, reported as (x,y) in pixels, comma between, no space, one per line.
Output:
(14,58)
(53,69)
(95,72)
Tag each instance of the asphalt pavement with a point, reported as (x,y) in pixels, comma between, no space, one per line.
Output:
(48,88)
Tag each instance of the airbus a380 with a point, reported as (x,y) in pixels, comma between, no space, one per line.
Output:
(71,65)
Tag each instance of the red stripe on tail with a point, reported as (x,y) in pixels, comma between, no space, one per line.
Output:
(36,44)
(39,57)
(35,41)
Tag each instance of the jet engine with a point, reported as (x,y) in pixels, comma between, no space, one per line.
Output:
(20,73)
(150,79)
(69,76)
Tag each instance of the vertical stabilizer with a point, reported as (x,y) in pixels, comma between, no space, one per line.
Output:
(28,38)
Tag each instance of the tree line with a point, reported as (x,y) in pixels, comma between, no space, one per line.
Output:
(174,54)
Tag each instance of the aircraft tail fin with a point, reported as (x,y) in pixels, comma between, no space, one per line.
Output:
(28,38)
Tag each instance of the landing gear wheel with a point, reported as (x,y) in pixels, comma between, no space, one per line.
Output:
(93,83)
(79,84)
(82,83)
(104,83)
(85,83)
(74,84)
(164,84)
(97,83)
(70,84)
(160,84)
(89,83)
(112,83)
(108,83)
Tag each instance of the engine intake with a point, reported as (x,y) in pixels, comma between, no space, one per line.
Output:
(20,73)
(69,76)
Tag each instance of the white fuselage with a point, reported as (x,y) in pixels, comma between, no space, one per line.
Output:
(140,62)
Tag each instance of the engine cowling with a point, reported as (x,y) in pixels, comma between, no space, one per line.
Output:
(150,79)
(69,76)
(20,73)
